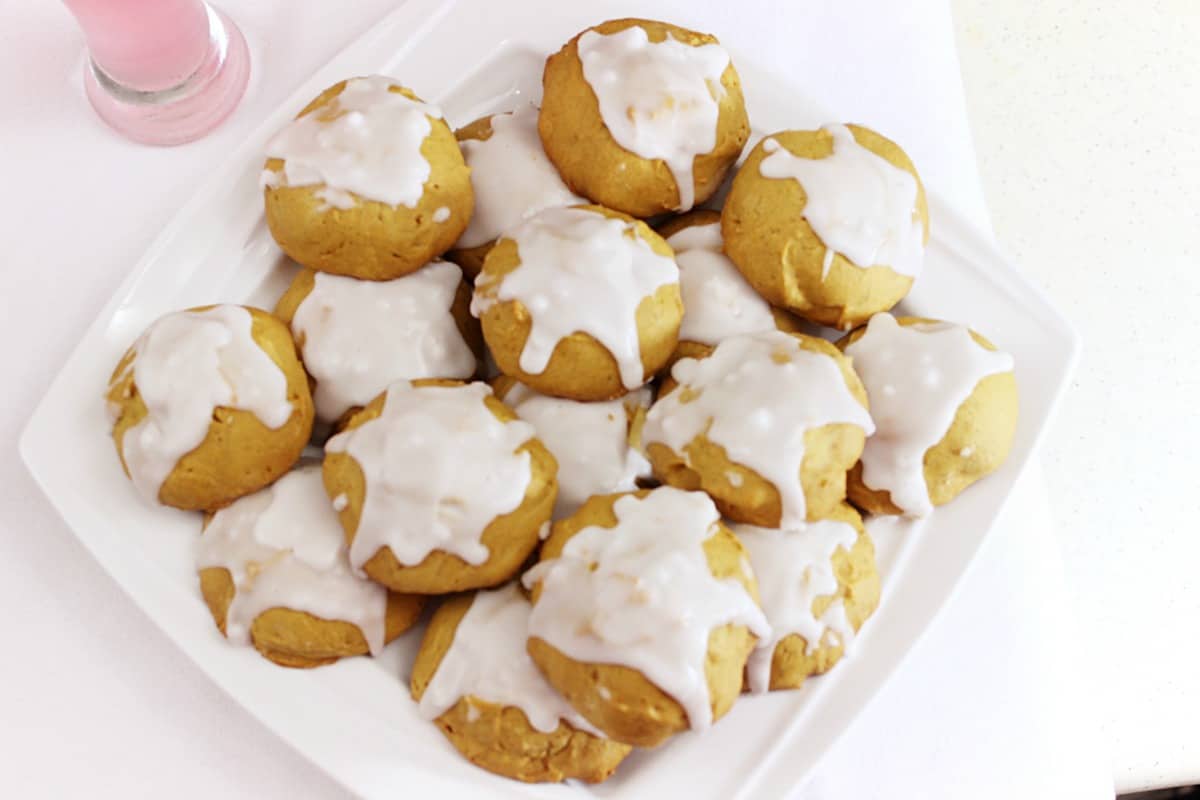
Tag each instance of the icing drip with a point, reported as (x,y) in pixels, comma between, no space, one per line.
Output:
(756,396)
(422,494)
(284,548)
(512,178)
(641,595)
(916,377)
(717,300)
(858,203)
(657,99)
(590,441)
(359,336)
(335,198)
(794,568)
(364,142)
(185,366)
(579,271)
(487,660)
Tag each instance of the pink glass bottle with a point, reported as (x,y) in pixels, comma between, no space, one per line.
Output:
(161,71)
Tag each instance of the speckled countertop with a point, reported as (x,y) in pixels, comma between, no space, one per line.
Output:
(1086,118)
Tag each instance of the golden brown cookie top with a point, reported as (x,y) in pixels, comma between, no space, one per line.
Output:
(368,181)
(795,568)
(283,548)
(165,393)
(862,196)
(582,269)
(828,223)
(474,678)
(642,116)
(361,138)
(440,461)
(485,659)
(917,374)
(637,587)
(757,396)
(659,98)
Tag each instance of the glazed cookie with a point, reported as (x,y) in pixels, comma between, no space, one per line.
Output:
(208,405)
(945,402)
(766,423)
(580,302)
(475,680)
(645,611)
(440,487)
(717,301)
(818,584)
(512,179)
(831,223)
(274,573)
(597,445)
(367,181)
(356,337)
(642,116)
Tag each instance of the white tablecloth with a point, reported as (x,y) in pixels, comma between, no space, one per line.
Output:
(96,700)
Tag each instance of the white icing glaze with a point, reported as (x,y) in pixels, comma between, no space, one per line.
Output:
(580,271)
(487,660)
(439,467)
(717,300)
(641,595)
(756,396)
(359,336)
(658,100)
(859,203)
(334,198)
(511,176)
(590,441)
(364,142)
(698,237)
(794,568)
(916,377)
(284,548)
(185,366)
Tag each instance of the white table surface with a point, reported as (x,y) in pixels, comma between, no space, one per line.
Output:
(1087,124)
(95,699)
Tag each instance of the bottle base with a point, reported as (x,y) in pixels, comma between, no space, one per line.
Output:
(187,111)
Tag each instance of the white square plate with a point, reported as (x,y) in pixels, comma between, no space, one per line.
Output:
(355,719)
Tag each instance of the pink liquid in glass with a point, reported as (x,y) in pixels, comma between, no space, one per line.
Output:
(161,71)
(146,45)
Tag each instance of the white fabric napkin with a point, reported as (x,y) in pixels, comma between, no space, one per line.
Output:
(96,700)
